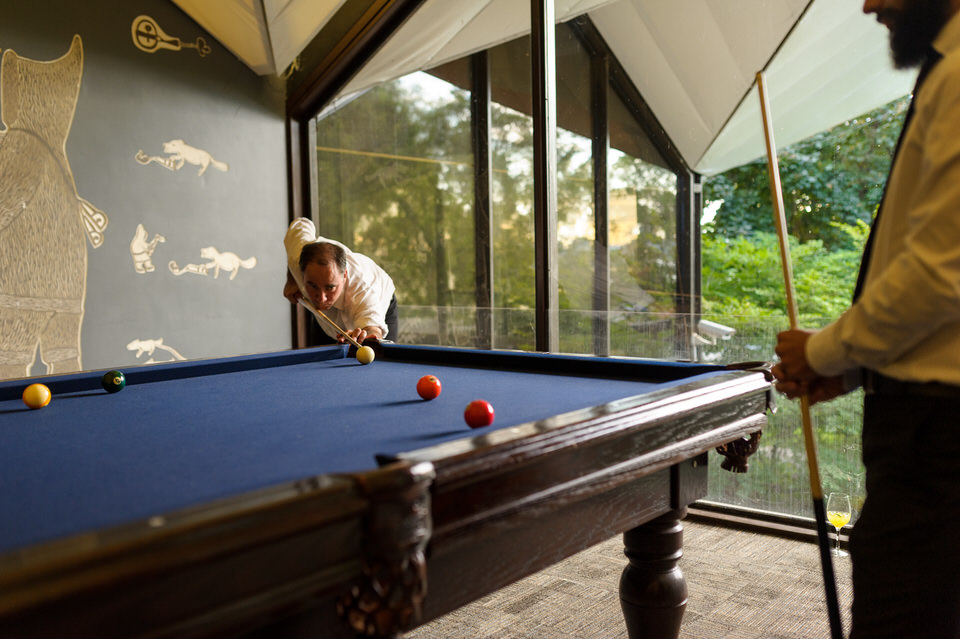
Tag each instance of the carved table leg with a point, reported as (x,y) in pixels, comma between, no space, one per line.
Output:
(397,527)
(653,592)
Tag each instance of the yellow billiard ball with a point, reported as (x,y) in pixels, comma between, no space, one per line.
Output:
(365,355)
(36,396)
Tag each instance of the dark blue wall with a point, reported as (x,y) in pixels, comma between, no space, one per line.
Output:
(133,101)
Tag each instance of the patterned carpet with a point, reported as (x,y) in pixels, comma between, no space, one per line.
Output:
(741,584)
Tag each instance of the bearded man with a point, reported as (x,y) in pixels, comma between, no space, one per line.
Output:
(900,341)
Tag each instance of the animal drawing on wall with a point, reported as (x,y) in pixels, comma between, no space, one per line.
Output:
(217,261)
(149,347)
(180,153)
(149,37)
(44,223)
(141,249)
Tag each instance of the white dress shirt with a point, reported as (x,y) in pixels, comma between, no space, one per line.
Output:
(368,289)
(906,322)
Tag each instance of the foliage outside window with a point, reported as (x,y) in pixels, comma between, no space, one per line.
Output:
(395,181)
(832,184)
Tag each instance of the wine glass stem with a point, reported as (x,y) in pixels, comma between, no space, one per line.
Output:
(838,543)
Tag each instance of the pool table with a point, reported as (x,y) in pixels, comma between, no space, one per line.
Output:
(304,494)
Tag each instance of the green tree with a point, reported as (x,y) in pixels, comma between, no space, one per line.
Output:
(742,277)
(830,181)
(395,182)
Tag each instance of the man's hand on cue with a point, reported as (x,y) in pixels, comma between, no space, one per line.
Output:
(791,349)
(795,377)
(818,390)
(361,334)
(358,334)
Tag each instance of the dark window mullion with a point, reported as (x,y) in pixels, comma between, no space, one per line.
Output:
(544,92)
(599,82)
(482,176)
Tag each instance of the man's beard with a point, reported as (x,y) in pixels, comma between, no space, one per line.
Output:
(914,28)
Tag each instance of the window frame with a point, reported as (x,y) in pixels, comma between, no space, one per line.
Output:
(368,26)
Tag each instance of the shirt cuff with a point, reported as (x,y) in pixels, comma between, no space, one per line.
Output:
(826,353)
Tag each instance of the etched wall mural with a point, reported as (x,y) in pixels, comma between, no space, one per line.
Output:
(141,249)
(44,223)
(179,153)
(217,261)
(149,37)
(149,347)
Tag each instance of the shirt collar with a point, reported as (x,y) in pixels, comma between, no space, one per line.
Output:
(948,40)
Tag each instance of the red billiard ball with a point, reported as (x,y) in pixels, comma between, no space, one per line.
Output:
(428,387)
(478,414)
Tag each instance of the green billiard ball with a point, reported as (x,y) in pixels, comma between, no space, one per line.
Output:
(113,381)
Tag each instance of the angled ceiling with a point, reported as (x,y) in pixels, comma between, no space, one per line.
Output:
(694,61)
(267,35)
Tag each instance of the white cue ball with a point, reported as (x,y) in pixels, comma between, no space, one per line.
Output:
(365,355)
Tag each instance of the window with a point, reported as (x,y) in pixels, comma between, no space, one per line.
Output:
(396,180)
(643,241)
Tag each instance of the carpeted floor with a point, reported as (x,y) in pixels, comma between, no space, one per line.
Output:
(741,585)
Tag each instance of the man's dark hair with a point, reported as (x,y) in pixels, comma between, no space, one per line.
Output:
(324,254)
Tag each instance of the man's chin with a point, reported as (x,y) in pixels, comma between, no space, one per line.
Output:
(913,30)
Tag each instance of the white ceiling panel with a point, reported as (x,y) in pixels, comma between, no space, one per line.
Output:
(419,40)
(236,24)
(292,24)
(266,35)
(444,30)
(833,67)
(693,61)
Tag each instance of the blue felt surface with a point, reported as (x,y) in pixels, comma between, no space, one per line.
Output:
(92,459)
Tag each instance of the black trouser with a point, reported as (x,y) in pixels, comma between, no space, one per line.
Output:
(392,321)
(905,546)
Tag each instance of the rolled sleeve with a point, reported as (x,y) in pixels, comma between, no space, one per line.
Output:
(300,233)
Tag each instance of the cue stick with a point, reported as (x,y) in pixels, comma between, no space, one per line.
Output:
(826,559)
(318,313)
